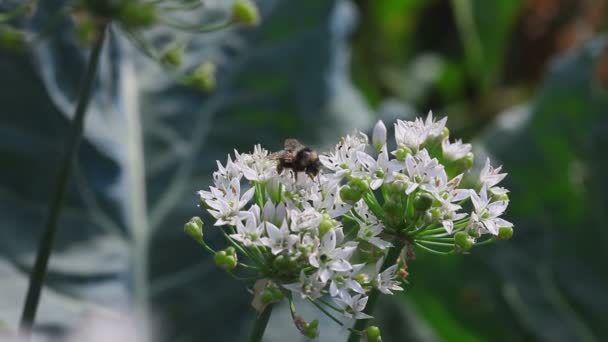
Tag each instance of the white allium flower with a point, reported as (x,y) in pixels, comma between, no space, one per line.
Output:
(379,170)
(329,258)
(447,193)
(279,239)
(490,177)
(307,286)
(487,214)
(415,133)
(257,166)
(226,204)
(274,214)
(250,233)
(302,220)
(423,172)
(342,282)
(456,150)
(353,306)
(370,234)
(379,135)
(385,281)
(342,159)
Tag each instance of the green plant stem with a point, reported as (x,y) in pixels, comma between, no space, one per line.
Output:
(260,324)
(361,324)
(56,205)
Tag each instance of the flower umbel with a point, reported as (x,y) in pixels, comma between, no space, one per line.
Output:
(340,235)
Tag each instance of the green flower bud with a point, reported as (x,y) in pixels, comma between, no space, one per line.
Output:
(402,152)
(226,259)
(311,330)
(350,195)
(173,56)
(272,294)
(505,233)
(372,334)
(11,39)
(136,14)
(422,201)
(361,278)
(500,197)
(468,161)
(463,241)
(360,185)
(194,228)
(245,12)
(326,225)
(203,77)
(445,133)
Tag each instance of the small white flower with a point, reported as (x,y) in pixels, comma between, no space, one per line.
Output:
(385,282)
(307,286)
(423,172)
(456,150)
(380,170)
(490,177)
(342,159)
(302,220)
(257,166)
(379,135)
(415,133)
(279,239)
(250,233)
(487,214)
(226,204)
(370,234)
(328,258)
(342,282)
(353,306)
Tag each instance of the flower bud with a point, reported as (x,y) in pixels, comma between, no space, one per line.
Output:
(272,294)
(245,12)
(311,330)
(402,152)
(137,14)
(194,228)
(422,201)
(505,233)
(203,77)
(379,135)
(372,334)
(350,195)
(463,241)
(500,197)
(226,259)
(173,56)
(11,39)
(445,133)
(326,225)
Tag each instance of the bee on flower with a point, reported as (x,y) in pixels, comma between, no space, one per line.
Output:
(338,237)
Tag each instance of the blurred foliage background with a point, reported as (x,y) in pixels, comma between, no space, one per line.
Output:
(525,79)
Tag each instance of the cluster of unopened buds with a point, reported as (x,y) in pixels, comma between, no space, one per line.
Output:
(343,235)
(132,18)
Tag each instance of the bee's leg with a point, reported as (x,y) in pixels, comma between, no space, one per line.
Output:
(295,175)
(279,168)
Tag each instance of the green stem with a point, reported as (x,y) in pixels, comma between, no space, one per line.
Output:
(361,324)
(260,324)
(56,205)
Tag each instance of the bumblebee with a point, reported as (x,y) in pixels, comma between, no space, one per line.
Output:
(298,158)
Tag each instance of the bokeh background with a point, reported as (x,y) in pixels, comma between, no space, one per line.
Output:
(525,80)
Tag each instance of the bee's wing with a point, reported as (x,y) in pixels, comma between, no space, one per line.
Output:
(284,154)
(293,145)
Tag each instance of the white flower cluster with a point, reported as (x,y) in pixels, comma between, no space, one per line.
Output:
(340,233)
